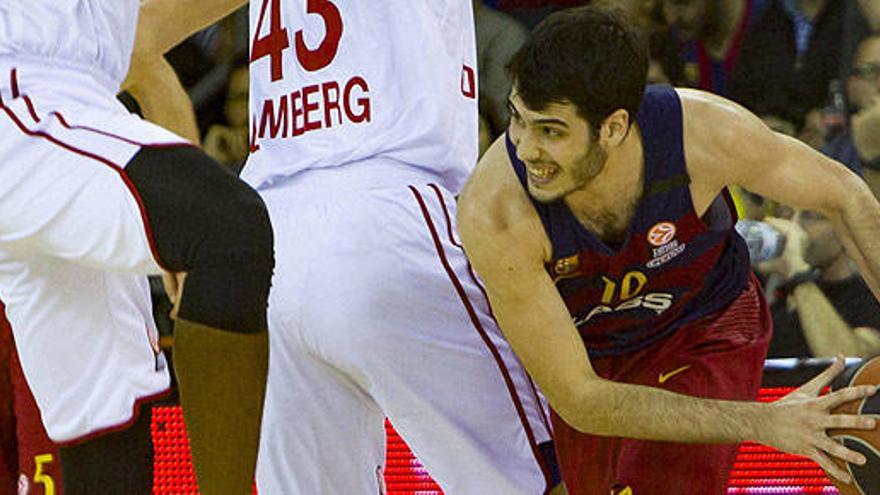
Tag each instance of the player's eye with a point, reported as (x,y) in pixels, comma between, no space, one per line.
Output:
(551,132)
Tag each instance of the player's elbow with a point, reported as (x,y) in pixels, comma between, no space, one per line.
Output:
(848,196)
(588,409)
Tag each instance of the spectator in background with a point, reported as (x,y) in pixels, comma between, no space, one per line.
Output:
(793,51)
(639,13)
(859,146)
(823,307)
(707,36)
(499,36)
(228,144)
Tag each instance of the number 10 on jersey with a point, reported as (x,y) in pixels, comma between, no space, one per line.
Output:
(277,40)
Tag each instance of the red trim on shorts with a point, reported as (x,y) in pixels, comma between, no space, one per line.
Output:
(106,161)
(13,77)
(124,139)
(481,331)
(544,416)
(479,284)
(447,215)
(16,93)
(30,107)
(135,412)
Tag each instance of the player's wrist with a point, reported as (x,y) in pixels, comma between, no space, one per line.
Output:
(794,266)
(799,278)
(758,420)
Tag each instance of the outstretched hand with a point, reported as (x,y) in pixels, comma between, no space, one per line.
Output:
(801,420)
(173,283)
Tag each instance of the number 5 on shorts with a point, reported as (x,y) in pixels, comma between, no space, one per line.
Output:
(40,462)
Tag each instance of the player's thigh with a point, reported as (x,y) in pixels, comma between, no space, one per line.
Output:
(360,280)
(717,365)
(321,433)
(73,207)
(438,364)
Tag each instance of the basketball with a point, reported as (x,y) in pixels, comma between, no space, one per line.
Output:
(866,479)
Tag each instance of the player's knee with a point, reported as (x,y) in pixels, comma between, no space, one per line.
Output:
(210,224)
(227,285)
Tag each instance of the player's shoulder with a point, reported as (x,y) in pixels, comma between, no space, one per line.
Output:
(492,185)
(698,106)
(712,122)
(494,209)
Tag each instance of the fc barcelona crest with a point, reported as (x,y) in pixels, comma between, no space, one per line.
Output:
(566,266)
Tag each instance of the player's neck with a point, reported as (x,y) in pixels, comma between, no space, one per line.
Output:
(606,204)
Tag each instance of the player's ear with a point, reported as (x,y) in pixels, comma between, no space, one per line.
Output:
(614,129)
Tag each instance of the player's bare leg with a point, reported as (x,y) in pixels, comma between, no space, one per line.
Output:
(237,364)
(218,370)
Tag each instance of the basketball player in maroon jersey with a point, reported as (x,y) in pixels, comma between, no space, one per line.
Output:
(603,230)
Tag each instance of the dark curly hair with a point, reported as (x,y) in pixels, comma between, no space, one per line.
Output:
(588,56)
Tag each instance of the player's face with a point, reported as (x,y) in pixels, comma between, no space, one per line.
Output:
(864,83)
(824,248)
(689,16)
(559,151)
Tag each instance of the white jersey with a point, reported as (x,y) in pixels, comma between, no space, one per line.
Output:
(315,103)
(95,36)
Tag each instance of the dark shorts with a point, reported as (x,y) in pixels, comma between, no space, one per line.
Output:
(8,447)
(39,464)
(27,457)
(719,357)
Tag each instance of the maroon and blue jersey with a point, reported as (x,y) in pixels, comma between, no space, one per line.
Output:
(674,267)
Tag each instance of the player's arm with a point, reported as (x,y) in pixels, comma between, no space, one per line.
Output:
(163,24)
(506,244)
(164,101)
(739,149)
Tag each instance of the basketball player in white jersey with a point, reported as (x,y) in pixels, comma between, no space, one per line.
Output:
(92,199)
(363,127)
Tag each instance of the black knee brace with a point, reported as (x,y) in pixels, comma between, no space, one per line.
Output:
(208,223)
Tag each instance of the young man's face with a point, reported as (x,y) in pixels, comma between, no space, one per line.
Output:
(560,153)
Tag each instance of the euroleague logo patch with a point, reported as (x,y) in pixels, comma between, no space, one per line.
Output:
(666,247)
(661,233)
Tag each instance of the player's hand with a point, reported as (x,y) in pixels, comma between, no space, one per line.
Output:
(173,283)
(791,261)
(799,422)
(225,144)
